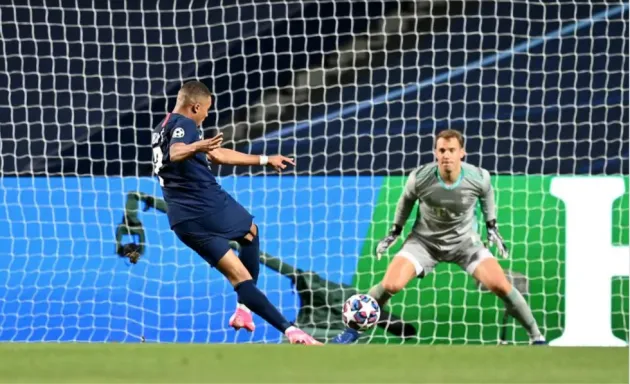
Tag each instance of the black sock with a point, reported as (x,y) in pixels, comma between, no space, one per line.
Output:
(255,300)
(250,257)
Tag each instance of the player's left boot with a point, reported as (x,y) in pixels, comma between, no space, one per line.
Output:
(242,319)
(348,336)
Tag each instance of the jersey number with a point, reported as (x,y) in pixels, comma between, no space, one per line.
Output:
(157,163)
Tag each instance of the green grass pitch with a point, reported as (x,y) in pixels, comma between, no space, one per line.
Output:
(186,363)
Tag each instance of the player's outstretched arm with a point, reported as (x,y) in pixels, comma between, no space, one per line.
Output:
(231,157)
(181,151)
(403,210)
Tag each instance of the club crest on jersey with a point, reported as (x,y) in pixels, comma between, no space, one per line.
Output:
(178,133)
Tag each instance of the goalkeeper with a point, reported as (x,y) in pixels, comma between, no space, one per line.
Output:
(444,231)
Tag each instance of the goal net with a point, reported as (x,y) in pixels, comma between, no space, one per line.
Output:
(356,91)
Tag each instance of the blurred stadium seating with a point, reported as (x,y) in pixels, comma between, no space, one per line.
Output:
(78,84)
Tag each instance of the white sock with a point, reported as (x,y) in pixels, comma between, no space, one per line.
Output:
(517,307)
(243,307)
(380,294)
(291,328)
(537,338)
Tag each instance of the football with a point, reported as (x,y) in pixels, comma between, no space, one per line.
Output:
(361,312)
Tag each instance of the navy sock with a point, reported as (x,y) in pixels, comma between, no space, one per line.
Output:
(255,300)
(250,257)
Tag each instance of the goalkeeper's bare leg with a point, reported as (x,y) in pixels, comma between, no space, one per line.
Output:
(399,273)
(412,261)
(489,273)
(415,259)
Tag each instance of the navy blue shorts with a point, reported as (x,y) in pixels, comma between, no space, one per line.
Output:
(210,236)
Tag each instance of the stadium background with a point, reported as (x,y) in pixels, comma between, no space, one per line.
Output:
(84,110)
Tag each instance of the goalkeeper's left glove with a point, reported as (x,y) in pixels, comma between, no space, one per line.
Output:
(388,241)
(495,238)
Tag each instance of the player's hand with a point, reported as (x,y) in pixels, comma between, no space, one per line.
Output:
(279,162)
(208,145)
(388,241)
(494,238)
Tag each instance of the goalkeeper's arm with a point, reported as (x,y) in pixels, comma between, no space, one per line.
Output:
(489,213)
(403,210)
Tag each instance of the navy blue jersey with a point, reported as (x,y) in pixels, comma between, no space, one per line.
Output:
(189,187)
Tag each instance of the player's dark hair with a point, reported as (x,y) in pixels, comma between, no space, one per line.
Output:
(192,91)
(450,134)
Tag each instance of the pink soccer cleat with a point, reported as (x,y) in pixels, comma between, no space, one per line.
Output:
(298,336)
(242,318)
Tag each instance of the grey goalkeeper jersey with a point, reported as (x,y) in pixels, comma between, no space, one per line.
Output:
(446,214)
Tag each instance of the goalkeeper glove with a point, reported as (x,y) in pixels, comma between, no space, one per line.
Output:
(387,242)
(131,251)
(495,238)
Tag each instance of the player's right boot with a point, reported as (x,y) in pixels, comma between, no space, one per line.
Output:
(348,336)
(242,319)
(298,336)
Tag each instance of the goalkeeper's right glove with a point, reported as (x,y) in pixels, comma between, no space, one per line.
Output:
(388,241)
(494,238)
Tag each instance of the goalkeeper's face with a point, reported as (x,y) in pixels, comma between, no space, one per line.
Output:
(449,154)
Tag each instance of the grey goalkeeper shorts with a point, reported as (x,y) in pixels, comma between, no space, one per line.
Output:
(467,253)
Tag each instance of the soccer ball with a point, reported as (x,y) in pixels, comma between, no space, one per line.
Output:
(361,312)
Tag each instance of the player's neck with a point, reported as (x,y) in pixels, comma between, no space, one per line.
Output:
(450,177)
(181,111)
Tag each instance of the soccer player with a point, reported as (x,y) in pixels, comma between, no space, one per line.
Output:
(447,191)
(203,215)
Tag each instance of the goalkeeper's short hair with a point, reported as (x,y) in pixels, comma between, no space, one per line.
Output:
(450,134)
